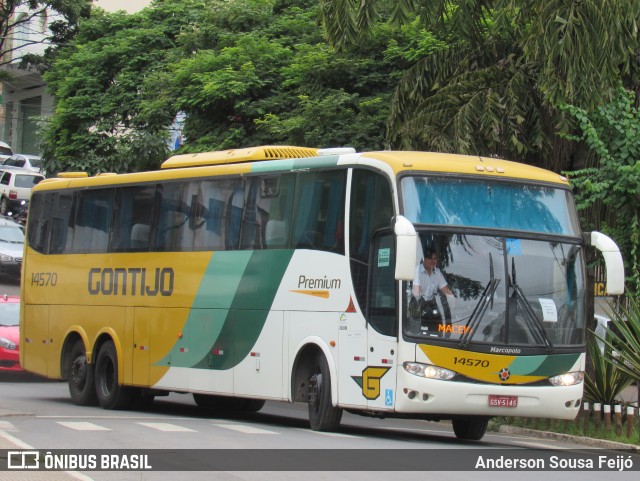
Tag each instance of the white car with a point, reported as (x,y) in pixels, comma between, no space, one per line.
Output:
(11,247)
(15,187)
(24,161)
(5,151)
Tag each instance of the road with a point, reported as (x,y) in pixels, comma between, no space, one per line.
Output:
(38,413)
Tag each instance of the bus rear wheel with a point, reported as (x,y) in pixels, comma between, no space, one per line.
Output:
(323,415)
(111,395)
(82,386)
(470,428)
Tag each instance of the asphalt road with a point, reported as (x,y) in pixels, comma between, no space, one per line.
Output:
(37,413)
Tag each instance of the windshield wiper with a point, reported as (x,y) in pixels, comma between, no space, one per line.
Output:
(486,300)
(521,301)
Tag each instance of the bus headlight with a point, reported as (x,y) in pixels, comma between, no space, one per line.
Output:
(429,371)
(567,379)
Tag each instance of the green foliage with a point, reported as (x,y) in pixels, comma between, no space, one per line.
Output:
(495,87)
(606,195)
(112,110)
(624,338)
(245,72)
(607,381)
(279,83)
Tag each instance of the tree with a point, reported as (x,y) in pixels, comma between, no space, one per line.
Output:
(607,189)
(111,113)
(261,73)
(243,73)
(506,66)
(23,15)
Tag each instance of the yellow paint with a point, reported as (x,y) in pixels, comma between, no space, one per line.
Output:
(371,377)
(463,164)
(323,294)
(475,365)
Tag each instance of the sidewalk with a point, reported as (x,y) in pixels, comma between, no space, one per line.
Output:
(588,442)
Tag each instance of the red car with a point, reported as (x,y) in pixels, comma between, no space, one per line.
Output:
(9,333)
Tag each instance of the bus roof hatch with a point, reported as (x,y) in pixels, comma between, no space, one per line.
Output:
(232,156)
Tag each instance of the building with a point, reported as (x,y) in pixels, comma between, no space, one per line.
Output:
(24,97)
(24,100)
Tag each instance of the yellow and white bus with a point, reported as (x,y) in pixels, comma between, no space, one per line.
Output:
(290,274)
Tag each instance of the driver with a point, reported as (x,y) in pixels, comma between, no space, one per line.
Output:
(428,282)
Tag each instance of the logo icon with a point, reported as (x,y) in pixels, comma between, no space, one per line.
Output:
(504,374)
(370,381)
(23,460)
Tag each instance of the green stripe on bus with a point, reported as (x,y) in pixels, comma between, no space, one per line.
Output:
(250,307)
(231,308)
(543,365)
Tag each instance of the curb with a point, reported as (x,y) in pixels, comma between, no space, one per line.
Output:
(590,442)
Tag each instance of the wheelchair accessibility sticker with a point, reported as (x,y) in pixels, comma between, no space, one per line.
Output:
(388,397)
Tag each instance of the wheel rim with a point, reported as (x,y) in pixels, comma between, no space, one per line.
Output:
(107,379)
(315,390)
(79,371)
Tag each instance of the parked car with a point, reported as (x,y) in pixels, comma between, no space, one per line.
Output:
(9,333)
(15,186)
(11,247)
(24,161)
(5,151)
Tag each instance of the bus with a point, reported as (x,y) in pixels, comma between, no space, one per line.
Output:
(292,274)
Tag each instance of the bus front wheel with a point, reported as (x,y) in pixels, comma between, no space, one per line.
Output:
(81,377)
(323,415)
(111,395)
(470,428)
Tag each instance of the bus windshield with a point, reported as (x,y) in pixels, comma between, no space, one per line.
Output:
(489,204)
(502,291)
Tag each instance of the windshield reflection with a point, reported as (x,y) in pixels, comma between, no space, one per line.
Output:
(499,290)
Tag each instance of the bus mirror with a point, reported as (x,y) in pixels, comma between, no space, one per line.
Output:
(406,249)
(613,262)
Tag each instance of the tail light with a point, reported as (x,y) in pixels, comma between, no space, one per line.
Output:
(13,194)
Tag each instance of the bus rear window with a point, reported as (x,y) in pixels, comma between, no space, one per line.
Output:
(491,205)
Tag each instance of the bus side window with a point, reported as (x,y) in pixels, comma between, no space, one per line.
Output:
(132,219)
(173,231)
(39,222)
(93,220)
(275,205)
(319,208)
(371,209)
(233,215)
(61,231)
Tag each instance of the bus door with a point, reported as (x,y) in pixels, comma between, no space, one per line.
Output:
(379,379)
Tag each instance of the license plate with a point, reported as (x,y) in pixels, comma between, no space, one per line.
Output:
(503,401)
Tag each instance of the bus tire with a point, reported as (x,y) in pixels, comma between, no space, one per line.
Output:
(470,428)
(323,415)
(111,395)
(81,377)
